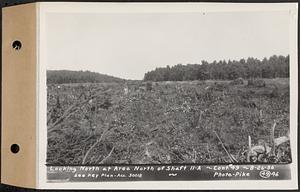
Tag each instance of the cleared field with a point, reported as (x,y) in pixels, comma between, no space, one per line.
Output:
(139,122)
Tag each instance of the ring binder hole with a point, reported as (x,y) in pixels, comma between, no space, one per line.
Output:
(14,148)
(17,45)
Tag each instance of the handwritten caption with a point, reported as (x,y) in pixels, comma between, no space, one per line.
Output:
(167,172)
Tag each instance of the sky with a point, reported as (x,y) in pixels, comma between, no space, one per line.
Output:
(127,45)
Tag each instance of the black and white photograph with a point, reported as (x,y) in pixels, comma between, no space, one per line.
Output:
(168,88)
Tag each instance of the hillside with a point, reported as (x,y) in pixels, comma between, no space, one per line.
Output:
(66,76)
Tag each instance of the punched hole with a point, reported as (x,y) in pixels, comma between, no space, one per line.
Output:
(14,148)
(17,45)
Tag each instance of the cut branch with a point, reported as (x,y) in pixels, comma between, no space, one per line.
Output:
(249,149)
(71,110)
(229,155)
(92,147)
(273,138)
(108,156)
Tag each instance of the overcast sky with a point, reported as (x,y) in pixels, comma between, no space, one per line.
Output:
(127,45)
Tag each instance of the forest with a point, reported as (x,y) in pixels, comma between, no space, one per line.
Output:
(275,66)
(67,76)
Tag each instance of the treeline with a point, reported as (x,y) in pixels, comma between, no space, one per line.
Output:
(275,66)
(66,76)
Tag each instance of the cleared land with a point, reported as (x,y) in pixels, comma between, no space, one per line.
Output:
(135,122)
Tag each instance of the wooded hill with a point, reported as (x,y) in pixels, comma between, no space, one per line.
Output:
(275,66)
(66,76)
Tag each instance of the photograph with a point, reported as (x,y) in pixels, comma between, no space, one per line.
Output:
(150,95)
(168,88)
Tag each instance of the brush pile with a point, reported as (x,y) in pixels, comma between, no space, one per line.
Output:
(168,122)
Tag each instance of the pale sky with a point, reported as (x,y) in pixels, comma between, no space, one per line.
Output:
(127,45)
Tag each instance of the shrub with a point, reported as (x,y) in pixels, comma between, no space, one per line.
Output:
(256,83)
(275,92)
(149,86)
(238,81)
